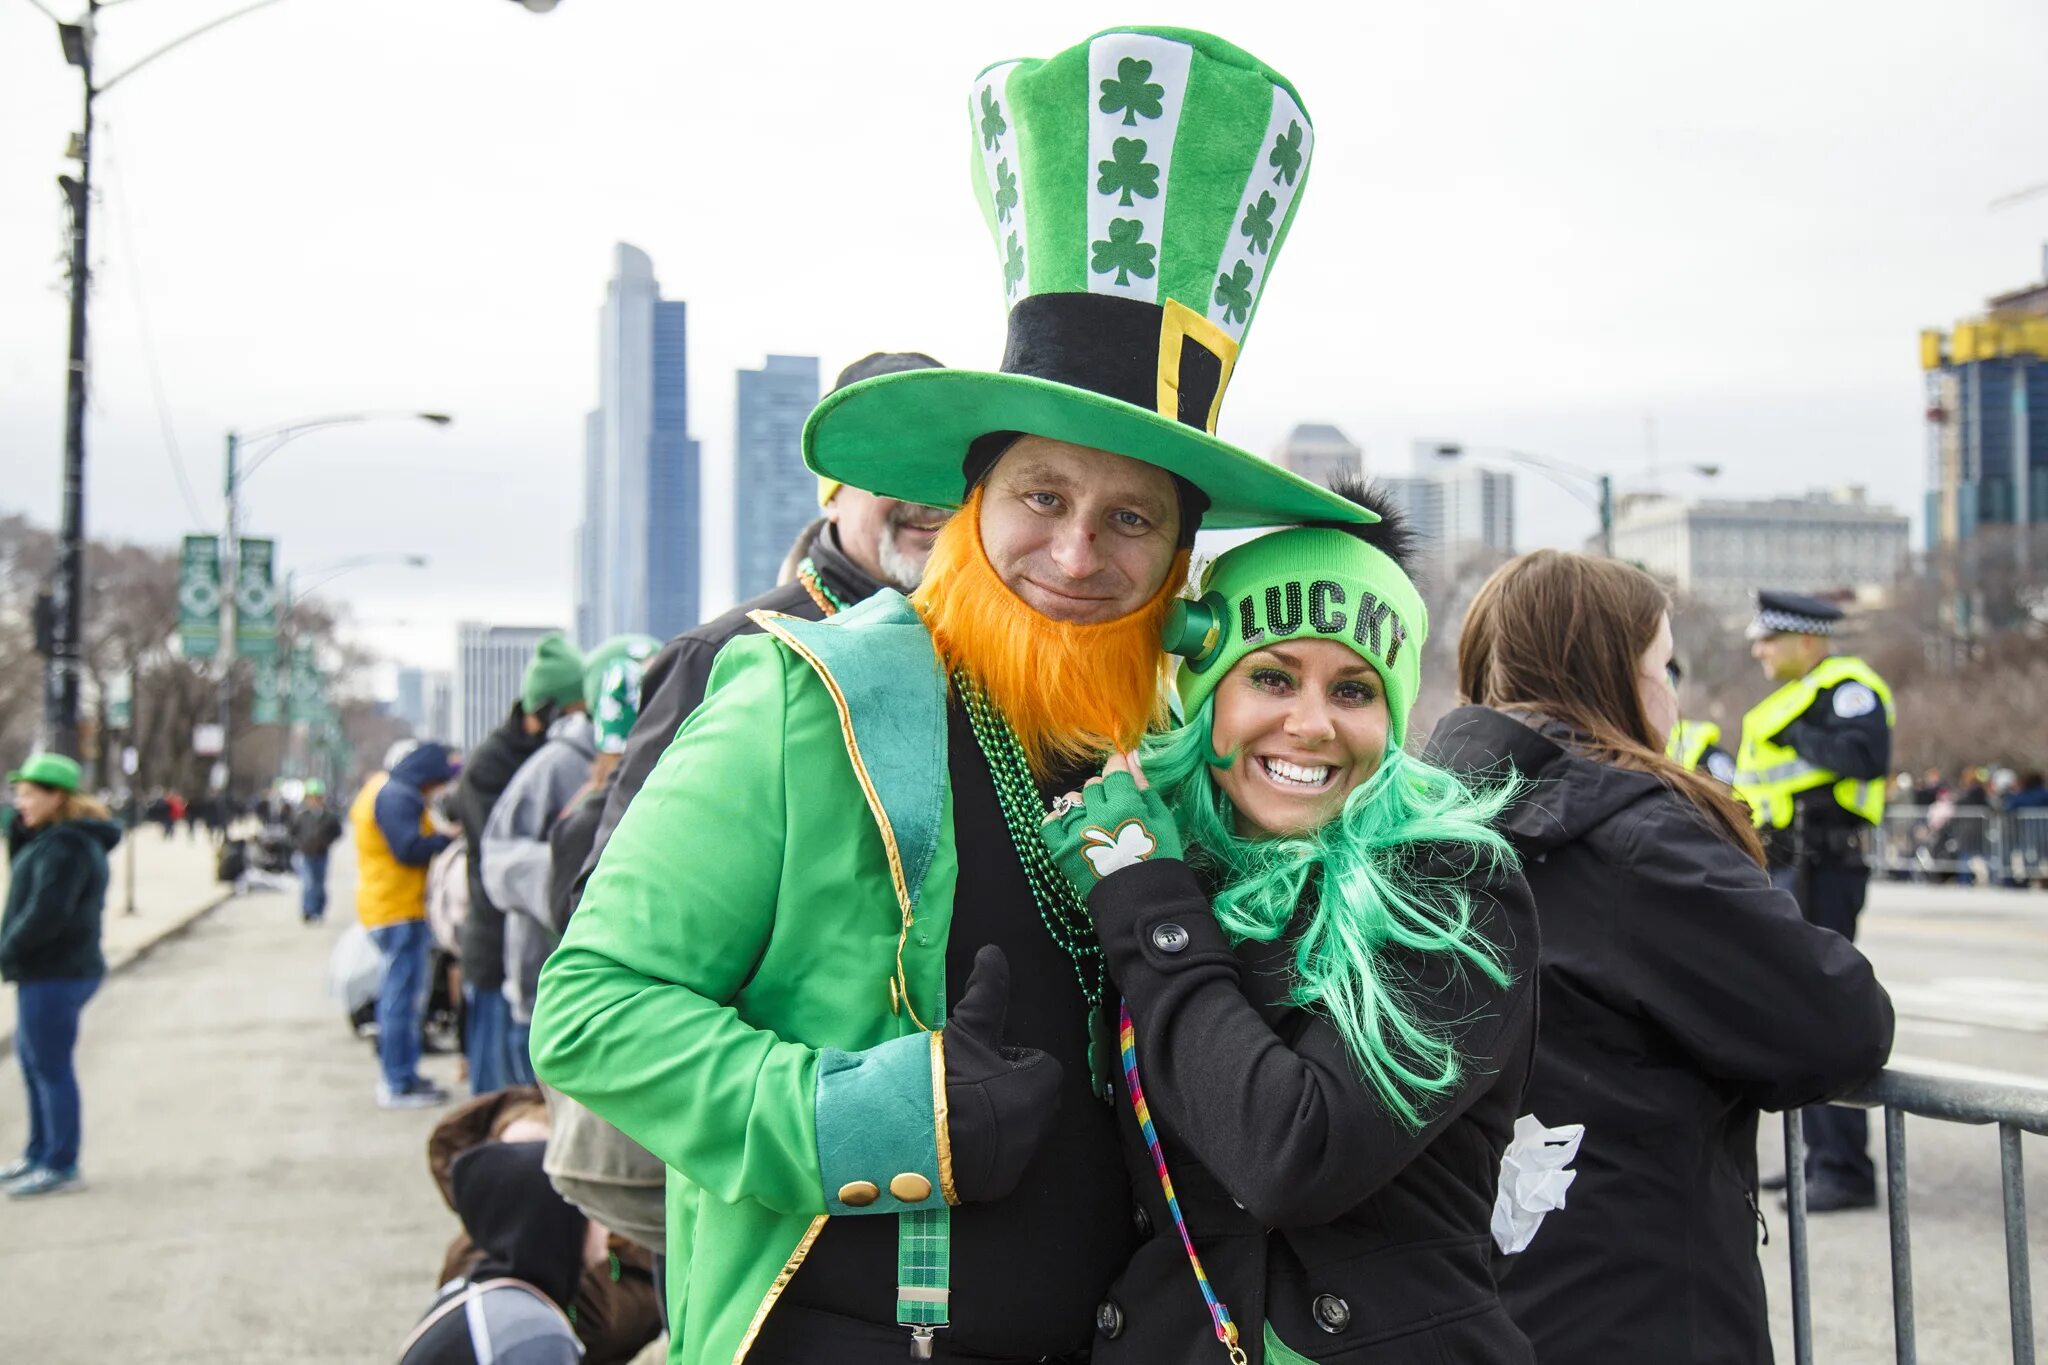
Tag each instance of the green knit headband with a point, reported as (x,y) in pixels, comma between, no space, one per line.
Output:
(1303,584)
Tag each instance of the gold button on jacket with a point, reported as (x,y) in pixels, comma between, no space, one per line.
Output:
(910,1187)
(858,1194)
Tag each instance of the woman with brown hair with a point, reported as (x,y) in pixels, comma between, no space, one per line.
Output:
(50,950)
(1679,992)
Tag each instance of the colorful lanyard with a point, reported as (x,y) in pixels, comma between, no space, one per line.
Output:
(1219,1313)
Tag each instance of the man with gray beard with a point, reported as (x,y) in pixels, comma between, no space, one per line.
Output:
(867,543)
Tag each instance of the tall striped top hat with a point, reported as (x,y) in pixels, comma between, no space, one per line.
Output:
(1139,188)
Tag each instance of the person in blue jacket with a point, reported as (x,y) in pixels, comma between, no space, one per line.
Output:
(50,950)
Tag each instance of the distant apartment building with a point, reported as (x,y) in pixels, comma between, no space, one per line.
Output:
(637,548)
(1831,542)
(411,705)
(1319,452)
(774,495)
(490,662)
(1987,417)
(1457,510)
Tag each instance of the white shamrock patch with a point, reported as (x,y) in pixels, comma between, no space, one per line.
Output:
(1106,852)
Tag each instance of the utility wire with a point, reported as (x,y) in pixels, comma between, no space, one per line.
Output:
(148,334)
(47,12)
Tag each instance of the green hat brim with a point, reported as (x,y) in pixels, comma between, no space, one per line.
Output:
(63,777)
(906,436)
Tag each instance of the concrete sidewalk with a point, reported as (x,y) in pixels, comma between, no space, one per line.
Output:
(246,1200)
(174,886)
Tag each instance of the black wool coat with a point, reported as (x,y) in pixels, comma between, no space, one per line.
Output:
(56,893)
(1681,994)
(1311,1204)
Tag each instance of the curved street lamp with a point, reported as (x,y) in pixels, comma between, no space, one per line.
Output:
(1590,487)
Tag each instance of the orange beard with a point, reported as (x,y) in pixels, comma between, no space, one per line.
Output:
(1072,693)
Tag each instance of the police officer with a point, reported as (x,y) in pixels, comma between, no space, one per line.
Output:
(1696,744)
(1812,765)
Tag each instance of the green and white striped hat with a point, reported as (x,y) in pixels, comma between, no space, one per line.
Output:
(1139,188)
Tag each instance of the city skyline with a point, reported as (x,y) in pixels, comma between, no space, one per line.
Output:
(775,496)
(1743,259)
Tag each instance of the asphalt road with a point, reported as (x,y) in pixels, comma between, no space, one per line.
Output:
(1968,973)
(249,1202)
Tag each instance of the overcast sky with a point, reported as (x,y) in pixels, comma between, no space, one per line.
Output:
(1546,227)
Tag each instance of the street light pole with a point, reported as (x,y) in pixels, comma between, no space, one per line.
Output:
(67,595)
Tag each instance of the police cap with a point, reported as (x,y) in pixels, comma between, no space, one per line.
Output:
(1792,613)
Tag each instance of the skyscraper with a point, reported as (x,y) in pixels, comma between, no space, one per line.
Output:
(637,547)
(411,706)
(774,495)
(490,663)
(1319,452)
(1457,509)
(1987,418)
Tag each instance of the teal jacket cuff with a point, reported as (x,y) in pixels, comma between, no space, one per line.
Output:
(882,1127)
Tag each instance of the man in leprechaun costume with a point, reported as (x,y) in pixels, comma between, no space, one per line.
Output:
(825,970)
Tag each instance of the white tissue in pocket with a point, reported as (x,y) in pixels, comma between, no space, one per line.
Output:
(1535,1171)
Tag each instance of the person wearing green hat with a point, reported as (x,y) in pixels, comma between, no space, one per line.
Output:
(50,950)
(824,969)
(553,682)
(513,852)
(315,831)
(1324,956)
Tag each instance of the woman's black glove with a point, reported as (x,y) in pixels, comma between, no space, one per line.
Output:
(1000,1101)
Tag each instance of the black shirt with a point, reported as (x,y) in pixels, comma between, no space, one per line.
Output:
(1028,1270)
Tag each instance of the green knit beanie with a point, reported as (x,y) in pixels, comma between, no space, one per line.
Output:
(1304,584)
(555,675)
(611,687)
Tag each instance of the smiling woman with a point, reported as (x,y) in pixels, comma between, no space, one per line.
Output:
(1327,993)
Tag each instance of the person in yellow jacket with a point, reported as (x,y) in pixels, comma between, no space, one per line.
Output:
(395,840)
(1812,765)
(1695,745)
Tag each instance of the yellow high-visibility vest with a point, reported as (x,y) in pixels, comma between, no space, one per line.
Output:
(1689,742)
(1770,775)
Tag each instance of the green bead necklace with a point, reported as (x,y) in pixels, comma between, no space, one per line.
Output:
(1063,914)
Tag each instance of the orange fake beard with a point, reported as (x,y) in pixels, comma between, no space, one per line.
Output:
(1071,693)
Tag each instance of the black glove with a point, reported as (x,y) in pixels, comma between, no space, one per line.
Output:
(1000,1101)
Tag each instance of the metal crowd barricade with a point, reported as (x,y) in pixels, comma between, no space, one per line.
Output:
(2014,1108)
(1974,843)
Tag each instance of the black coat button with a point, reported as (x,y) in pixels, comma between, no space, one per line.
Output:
(1141,1220)
(1109,1319)
(1169,938)
(1332,1313)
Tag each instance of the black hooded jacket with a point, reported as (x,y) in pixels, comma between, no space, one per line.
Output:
(1680,994)
(485,776)
(1313,1207)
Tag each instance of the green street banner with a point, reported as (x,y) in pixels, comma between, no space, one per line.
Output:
(199,597)
(308,702)
(120,702)
(268,708)
(255,600)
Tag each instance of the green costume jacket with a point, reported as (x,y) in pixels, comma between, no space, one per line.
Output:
(753,986)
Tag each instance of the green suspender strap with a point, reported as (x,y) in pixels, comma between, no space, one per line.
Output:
(924,1248)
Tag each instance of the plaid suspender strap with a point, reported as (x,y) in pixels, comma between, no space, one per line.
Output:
(924,1248)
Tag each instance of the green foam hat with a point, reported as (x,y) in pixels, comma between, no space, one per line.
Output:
(48,770)
(555,674)
(1311,583)
(611,687)
(1139,187)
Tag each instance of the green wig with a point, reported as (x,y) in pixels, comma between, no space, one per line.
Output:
(1368,899)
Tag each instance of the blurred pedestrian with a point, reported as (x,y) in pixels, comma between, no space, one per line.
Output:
(553,681)
(2032,793)
(1812,765)
(867,544)
(396,839)
(315,830)
(50,950)
(1681,991)
(1695,745)
(514,854)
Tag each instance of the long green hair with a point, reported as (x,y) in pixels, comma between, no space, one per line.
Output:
(1358,880)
